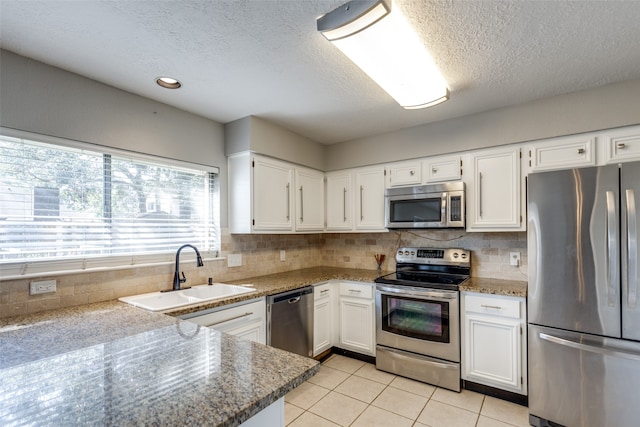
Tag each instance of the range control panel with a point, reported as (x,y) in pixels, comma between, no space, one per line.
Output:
(449,256)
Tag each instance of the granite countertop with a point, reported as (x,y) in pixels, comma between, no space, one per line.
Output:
(495,286)
(281,282)
(114,364)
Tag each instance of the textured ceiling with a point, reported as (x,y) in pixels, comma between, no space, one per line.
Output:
(265,58)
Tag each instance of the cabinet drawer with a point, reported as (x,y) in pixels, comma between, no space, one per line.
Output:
(563,153)
(321,292)
(495,306)
(222,317)
(358,290)
(442,169)
(622,145)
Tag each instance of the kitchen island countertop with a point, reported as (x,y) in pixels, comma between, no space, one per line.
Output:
(113,364)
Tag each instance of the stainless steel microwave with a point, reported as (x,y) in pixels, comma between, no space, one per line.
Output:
(426,206)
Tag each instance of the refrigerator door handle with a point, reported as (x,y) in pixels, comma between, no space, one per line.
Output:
(612,249)
(604,351)
(632,249)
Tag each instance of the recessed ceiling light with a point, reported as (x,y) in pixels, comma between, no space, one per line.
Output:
(168,82)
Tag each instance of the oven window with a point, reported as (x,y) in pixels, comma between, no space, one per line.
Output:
(418,210)
(416,318)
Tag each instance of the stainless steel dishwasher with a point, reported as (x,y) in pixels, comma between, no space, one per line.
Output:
(290,321)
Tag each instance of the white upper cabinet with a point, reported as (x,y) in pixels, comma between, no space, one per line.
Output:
(369,198)
(621,145)
(442,168)
(272,196)
(563,153)
(404,173)
(309,199)
(495,199)
(339,201)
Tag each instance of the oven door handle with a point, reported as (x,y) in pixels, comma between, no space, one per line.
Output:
(393,290)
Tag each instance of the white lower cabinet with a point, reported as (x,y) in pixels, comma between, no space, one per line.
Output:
(245,320)
(323,318)
(494,341)
(357,317)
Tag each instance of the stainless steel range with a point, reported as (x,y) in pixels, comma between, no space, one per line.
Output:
(418,315)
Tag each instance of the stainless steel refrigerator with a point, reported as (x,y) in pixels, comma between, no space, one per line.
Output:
(584,307)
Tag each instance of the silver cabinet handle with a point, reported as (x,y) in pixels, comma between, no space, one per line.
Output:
(620,145)
(632,249)
(606,351)
(301,204)
(357,291)
(344,205)
(581,150)
(412,172)
(288,201)
(230,319)
(612,248)
(434,170)
(480,193)
(361,196)
(324,291)
(495,307)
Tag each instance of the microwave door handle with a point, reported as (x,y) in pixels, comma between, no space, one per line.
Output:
(612,251)
(443,209)
(632,249)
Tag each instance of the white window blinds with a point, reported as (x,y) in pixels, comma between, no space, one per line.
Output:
(59,203)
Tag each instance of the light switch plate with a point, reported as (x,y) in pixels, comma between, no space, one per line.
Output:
(283,256)
(42,287)
(234,260)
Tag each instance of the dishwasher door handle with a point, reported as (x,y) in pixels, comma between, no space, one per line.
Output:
(294,300)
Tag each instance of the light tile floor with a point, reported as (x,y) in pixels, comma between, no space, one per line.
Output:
(349,392)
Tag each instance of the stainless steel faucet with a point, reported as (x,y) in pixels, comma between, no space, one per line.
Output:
(177,280)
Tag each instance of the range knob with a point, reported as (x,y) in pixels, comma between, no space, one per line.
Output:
(406,252)
(464,256)
(412,253)
(456,255)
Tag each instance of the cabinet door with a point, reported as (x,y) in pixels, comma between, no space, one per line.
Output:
(622,145)
(322,325)
(404,173)
(357,325)
(492,351)
(272,195)
(495,191)
(369,183)
(439,169)
(253,330)
(339,201)
(563,153)
(246,320)
(309,200)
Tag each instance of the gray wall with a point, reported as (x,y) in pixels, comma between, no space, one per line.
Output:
(39,98)
(609,106)
(260,136)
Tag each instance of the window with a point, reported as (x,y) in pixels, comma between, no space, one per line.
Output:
(81,203)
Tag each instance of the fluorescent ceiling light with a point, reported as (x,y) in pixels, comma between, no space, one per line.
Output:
(384,46)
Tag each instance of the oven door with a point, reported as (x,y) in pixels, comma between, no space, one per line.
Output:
(420,320)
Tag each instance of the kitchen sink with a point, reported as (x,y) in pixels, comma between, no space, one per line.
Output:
(159,301)
(218,290)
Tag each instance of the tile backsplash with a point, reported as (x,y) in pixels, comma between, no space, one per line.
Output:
(261,256)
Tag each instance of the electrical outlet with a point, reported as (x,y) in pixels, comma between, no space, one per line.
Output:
(283,256)
(515,258)
(234,260)
(42,287)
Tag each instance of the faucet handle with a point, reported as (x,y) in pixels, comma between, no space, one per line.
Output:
(184,278)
